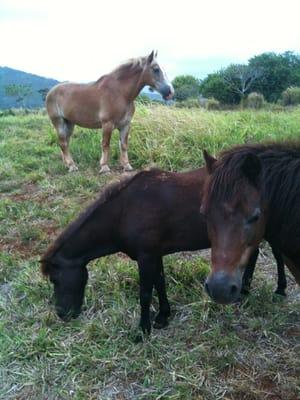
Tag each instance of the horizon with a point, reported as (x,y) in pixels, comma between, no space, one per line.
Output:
(200,75)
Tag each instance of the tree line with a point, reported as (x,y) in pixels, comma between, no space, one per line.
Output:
(268,74)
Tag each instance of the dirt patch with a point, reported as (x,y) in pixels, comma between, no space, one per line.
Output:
(28,191)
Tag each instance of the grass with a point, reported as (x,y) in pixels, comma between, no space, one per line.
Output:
(248,351)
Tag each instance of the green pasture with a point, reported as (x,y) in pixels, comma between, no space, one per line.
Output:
(248,351)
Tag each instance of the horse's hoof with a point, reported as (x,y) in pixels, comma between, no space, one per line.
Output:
(73,168)
(245,292)
(104,169)
(160,324)
(278,297)
(127,168)
(161,321)
(280,292)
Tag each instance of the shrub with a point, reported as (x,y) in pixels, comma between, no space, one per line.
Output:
(212,104)
(188,103)
(291,96)
(255,100)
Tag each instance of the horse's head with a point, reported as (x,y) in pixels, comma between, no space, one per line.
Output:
(235,215)
(69,282)
(156,78)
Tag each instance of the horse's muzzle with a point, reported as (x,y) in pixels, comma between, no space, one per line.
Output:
(166,91)
(67,315)
(223,288)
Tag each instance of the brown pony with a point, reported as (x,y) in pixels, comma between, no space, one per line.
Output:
(107,103)
(251,192)
(146,216)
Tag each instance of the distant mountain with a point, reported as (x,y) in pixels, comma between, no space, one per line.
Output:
(10,76)
(34,84)
(154,96)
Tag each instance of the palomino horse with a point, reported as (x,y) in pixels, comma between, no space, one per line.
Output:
(251,192)
(107,103)
(146,216)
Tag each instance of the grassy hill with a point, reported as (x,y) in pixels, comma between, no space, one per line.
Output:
(9,76)
(247,351)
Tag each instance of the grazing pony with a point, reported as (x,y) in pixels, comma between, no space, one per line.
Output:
(251,192)
(146,216)
(107,103)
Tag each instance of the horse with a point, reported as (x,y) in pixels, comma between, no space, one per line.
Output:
(107,103)
(250,192)
(146,216)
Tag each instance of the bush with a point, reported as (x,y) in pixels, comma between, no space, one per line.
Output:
(212,104)
(188,103)
(255,100)
(291,96)
(186,86)
(214,86)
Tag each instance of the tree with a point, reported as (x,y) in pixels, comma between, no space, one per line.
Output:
(43,92)
(18,91)
(186,86)
(280,72)
(240,78)
(214,86)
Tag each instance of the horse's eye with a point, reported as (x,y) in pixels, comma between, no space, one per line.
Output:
(254,217)
(156,70)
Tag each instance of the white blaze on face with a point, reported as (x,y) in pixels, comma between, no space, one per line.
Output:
(165,80)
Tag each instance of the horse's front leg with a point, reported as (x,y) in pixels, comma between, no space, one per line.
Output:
(107,129)
(147,271)
(281,278)
(124,161)
(248,274)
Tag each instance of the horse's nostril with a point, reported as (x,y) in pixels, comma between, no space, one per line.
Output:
(233,289)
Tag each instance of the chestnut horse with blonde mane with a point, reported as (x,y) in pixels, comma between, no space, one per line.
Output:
(107,103)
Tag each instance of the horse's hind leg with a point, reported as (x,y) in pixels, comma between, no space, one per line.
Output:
(161,320)
(64,130)
(281,279)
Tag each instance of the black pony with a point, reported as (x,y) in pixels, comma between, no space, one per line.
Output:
(145,216)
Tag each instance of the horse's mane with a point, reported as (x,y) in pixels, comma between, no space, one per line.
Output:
(280,173)
(126,69)
(129,67)
(109,193)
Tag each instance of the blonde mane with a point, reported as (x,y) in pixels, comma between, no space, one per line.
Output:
(129,67)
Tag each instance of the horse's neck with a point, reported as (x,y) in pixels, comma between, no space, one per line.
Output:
(282,224)
(132,88)
(91,240)
(129,86)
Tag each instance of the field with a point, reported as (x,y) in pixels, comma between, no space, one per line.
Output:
(248,351)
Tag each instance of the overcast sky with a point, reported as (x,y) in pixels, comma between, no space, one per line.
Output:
(82,40)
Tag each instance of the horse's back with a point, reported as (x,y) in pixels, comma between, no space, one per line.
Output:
(75,102)
(167,218)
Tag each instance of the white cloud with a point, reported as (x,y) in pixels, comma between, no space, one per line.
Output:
(82,40)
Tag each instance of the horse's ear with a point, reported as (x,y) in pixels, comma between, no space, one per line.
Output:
(251,168)
(155,55)
(150,57)
(209,161)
